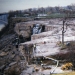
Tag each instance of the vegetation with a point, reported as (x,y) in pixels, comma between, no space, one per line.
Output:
(52,12)
(62,47)
(56,15)
(68,73)
(69,55)
(67,66)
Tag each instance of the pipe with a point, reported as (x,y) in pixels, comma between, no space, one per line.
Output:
(55,61)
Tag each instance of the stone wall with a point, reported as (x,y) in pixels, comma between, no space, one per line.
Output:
(23,29)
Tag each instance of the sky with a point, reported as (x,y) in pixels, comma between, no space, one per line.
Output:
(7,5)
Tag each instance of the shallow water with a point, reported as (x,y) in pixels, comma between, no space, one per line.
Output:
(1,26)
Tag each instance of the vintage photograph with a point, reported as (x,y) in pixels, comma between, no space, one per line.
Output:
(37,37)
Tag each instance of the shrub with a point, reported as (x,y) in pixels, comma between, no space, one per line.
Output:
(67,66)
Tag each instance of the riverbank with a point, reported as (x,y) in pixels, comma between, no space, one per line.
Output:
(67,73)
(1,26)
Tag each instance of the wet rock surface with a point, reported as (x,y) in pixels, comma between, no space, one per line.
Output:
(10,56)
(15,68)
(12,61)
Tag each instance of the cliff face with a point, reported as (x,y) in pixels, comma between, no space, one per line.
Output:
(10,54)
(26,28)
(23,29)
(46,44)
